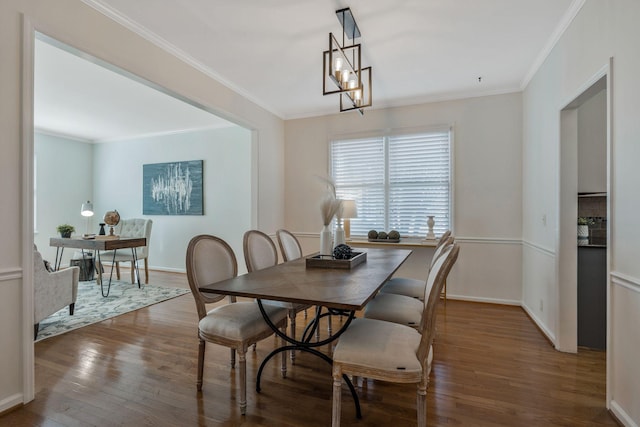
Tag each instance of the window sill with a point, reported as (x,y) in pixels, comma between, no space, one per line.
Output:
(404,243)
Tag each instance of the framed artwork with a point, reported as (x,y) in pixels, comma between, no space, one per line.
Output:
(173,188)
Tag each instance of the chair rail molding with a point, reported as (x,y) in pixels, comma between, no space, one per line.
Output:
(10,273)
(543,250)
(625,281)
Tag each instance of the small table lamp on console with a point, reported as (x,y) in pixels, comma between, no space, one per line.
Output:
(349,210)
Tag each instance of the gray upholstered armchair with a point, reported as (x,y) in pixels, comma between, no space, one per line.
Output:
(52,291)
(133,227)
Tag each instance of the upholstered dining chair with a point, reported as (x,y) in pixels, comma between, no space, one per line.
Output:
(414,287)
(236,325)
(52,290)
(403,309)
(392,352)
(260,252)
(289,245)
(133,227)
(290,248)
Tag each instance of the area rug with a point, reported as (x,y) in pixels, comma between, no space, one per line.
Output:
(92,307)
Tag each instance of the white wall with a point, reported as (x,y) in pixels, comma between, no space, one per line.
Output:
(226,155)
(592,144)
(487,180)
(64,180)
(602,29)
(76,24)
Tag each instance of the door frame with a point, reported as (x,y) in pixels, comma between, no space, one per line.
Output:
(566,245)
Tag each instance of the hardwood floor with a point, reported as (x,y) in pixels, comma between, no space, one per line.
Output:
(492,367)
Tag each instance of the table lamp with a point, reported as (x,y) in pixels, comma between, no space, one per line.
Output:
(87,211)
(349,210)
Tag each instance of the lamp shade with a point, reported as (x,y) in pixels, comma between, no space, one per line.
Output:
(87,209)
(349,209)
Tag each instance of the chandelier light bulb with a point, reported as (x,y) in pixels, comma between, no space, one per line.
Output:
(345,76)
(337,63)
(337,67)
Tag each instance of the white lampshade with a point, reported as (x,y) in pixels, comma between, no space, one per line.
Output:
(349,209)
(87,209)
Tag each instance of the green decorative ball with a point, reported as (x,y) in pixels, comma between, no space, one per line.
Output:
(382,235)
(373,234)
(393,234)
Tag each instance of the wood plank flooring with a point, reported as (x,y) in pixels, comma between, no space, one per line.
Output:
(492,368)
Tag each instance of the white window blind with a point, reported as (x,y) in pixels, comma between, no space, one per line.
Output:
(397,181)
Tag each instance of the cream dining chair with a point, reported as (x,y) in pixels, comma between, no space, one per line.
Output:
(260,252)
(236,325)
(290,248)
(392,352)
(414,287)
(289,245)
(400,308)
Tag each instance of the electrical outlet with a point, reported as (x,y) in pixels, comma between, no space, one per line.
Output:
(541,306)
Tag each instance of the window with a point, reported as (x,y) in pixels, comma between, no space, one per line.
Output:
(397,181)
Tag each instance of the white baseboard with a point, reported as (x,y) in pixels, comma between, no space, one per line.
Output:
(11,402)
(168,269)
(621,415)
(550,336)
(482,299)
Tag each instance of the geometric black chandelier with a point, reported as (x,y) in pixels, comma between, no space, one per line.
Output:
(342,70)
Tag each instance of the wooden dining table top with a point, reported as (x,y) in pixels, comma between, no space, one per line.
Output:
(293,281)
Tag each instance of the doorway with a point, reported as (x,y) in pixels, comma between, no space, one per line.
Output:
(83,186)
(585,168)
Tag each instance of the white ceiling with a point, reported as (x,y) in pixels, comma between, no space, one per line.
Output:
(81,99)
(420,50)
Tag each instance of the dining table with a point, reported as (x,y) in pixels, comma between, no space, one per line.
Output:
(334,289)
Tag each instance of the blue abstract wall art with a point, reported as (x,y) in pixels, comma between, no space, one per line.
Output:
(173,188)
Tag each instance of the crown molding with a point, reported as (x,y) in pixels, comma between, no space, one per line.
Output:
(152,37)
(566,20)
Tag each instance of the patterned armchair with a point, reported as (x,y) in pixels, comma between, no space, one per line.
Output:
(52,290)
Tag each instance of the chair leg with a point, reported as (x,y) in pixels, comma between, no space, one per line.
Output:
(36,327)
(422,404)
(72,307)
(337,397)
(133,272)
(233,358)
(243,381)
(146,271)
(283,354)
(200,364)
(292,319)
(118,270)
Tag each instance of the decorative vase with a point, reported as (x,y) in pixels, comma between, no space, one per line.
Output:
(326,241)
(339,238)
(583,231)
(583,235)
(430,222)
